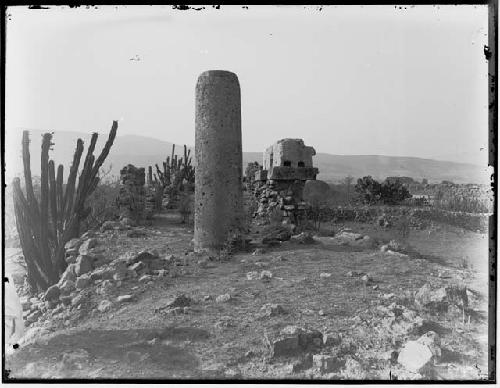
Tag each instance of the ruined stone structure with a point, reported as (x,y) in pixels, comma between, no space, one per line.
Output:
(218,152)
(132,196)
(287,165)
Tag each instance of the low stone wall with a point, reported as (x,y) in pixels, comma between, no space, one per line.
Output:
(280,196)
(419,217)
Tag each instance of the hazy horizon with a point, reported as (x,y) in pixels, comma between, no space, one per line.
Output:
(349,80)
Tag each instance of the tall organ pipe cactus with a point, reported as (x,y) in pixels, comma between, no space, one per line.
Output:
(175,173)
(45,227)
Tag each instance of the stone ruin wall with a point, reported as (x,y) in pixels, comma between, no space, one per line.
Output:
(279,188)
(132,195)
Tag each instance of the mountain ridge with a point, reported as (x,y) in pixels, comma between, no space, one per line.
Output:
(144,151)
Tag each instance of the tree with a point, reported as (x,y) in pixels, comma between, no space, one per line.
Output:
(393,192)
(368,189)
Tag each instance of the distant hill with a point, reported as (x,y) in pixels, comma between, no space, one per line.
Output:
(144,151)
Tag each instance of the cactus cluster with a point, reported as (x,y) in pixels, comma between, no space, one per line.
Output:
(45,226)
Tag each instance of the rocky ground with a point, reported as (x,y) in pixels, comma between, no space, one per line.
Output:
(136,302)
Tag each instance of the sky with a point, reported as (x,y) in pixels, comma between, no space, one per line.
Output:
(376,80)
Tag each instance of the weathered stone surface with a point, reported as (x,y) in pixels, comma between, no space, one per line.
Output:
(218,149)
(86,245)
(67,287)
(285,346)
(83,264)
(68,274)
(415,356)
(74,243)
(101,273)
(82,281)
(52,293)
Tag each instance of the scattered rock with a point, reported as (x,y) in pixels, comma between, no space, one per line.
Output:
(101,274)
(125,298)
(74,243)
(52,293)
(384,248)
(258,251)
(327,363)
(145,278)
(415,356)
(179,301)
(68,274)
(87,245)
(82,282)
(137,266)
(266,275)
(321,312)
(303,238)
(272,309)
(223,298)
(433,299)
(67,287)
(253,275)
(104,306)
(365,278)
(324,275)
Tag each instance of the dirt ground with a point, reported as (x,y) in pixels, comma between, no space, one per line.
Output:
(230,340)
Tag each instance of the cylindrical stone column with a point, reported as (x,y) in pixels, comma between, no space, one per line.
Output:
(218,185)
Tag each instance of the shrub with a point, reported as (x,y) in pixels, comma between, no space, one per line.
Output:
(103,203)
(393,192)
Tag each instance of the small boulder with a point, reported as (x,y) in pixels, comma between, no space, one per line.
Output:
(104,305)
(52,293)
(83,264)
(303,238)
(285,346)
(74,243)
(266,275)
(324,275)
(68,274)
(179,301)
(82,282)
(327,363)
(67,287)
(125,298)
(223,298)
(252,275)
(272,309)
(87,245)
